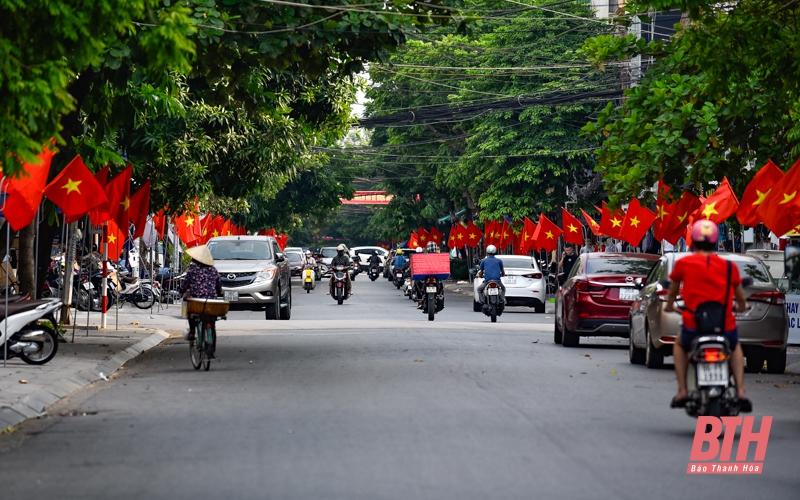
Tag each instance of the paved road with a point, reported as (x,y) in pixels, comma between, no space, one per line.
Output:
(368,400)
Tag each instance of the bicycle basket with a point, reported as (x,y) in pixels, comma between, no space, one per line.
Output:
(208,307)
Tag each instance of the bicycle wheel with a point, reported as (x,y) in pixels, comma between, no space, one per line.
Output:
(209,348)
(196,351)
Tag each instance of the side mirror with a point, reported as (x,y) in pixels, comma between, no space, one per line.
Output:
(473,271)
(279,257)
(638,283)
(791,262)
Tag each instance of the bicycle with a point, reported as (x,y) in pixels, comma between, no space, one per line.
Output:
(205,313)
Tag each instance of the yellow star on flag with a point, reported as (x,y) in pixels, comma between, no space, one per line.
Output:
(112,238)
(460,236)
(71,186)
(549,235)
(215,233)
(126,203)
(709,210)
(635,222)
(615,222)
(788,197)
(761,196)
(661,212)
(682,217)
(572,228)
(189,221)
(473,236)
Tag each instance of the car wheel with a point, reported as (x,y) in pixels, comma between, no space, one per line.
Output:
(557,335)
(653,358)
(776,361)
(539,308)
(635,354)
(286,311)
(273,310)
(568,338)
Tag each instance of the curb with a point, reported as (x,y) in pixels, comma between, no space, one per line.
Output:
(34,404)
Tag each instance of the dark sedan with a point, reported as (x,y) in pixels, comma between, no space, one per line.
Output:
(295,263)
(597,295)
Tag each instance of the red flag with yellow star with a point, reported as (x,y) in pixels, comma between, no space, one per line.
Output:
(423,237)
(472,235)
(456,237)
(435,235)
(611,221)
(663,210)
(594,226)
(546,234)
(118,191)
(506,234)
(573,229)
(413,240)
(756,192)
(720,205)
(100,215)
(780,210)
(188,225)
(528,231)
(140,207)
(638,220)
(75,191)
(116,241)
(489,232)
(25,191)
(677,221)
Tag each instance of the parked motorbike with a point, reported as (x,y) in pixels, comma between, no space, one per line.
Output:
(433,300)
(27,336)
(339,290)
(308,279)
(139,292)
(374,272)
(493,303)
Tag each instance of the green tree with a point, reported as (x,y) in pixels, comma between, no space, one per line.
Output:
(720,97)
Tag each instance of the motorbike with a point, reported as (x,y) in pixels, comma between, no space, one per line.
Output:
(339,289)
(139,292)
(356,269)
(493,303)
(433,300)
(398,278)
(28,337)
(308,279)
(373,272)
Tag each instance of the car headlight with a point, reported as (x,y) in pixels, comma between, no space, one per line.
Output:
(265,275)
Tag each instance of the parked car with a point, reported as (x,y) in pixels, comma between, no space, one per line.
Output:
(295,262)
(524,281)
(597,295)
(763,327)
(773,259)
(254,273)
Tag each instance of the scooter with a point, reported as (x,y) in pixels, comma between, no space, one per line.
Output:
(339,289)
(28,338)
(433,300)
(356,269)
(141,293)
(308,279)
(493,304)
(398,278)
(373,272)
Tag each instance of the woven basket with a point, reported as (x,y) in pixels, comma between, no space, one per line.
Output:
(208,307)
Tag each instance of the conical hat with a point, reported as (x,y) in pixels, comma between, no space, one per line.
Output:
(201,254)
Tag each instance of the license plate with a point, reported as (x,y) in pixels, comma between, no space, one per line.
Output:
(712,373)
(509,280)
(493,291)
(88,286)
(628,294)
(231,296)
(430,289)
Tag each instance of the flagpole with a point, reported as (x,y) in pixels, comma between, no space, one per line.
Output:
(104,291)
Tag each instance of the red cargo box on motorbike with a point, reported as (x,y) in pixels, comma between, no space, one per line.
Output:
(430,264)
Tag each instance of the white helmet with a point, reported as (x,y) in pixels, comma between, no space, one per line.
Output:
(341,247)
(491,250)
(419,250)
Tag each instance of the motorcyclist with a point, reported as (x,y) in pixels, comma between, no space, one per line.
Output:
(309,262)
(491,269)
(399,261)
(702,277)
(431,247)
(340,259)
(374,260)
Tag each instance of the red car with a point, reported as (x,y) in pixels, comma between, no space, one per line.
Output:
(597,295)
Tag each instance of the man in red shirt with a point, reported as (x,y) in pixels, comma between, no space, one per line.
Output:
(704,276)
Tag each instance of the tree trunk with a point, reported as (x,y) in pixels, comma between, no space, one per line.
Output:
(27,237)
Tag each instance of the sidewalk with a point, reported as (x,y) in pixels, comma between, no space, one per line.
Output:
(26,391)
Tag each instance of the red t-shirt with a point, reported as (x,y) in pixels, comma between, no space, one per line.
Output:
(703,279)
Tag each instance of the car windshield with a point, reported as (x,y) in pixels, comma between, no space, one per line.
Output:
(518,263)
(295,257)
(621,265)
(328,253)
(239,250)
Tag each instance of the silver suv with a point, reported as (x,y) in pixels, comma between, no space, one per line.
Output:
(254,272)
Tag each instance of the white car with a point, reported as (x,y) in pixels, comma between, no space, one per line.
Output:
(365,252)
(524,281)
